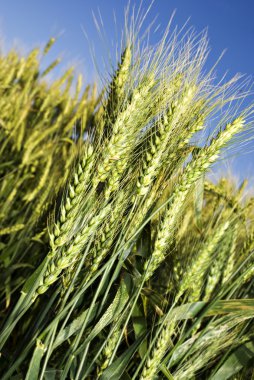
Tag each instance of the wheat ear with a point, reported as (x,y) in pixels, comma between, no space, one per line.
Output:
(103,239)
(246,251)
(124,131)
(66,256)
(108,351)
(117,87)
(202,161)
(108,232)
(69,207)
(223,256)
(162,344)
(158,146)
(200,265)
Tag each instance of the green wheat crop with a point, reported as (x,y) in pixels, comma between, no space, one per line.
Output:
(119,258)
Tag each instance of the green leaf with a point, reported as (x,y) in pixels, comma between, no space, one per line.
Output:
(125,376)
(51,374)
(242,357)
(140,327)
(26,349)
(34,367)
(75,326)
(166,372)
(234,306)
(24,301)
(190,310)
(34,279)
(113,310)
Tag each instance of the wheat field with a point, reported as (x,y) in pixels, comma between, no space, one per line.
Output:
(120,258)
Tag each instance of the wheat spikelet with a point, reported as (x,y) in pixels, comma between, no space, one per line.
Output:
(249,273)
(103,240)
(188,130)
(143,206)
(207,346)
(42,181)
(49,45)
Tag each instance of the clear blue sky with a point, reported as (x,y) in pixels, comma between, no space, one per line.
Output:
(230,26)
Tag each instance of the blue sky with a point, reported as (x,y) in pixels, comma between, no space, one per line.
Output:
(230,26)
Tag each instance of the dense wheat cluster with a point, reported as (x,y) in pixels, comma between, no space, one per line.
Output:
(119,258)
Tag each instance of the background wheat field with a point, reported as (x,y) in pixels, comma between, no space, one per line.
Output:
(120,258)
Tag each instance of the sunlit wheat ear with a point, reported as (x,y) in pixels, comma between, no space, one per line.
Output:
(115,99)
(67,255)
(49,45)
(159,350)
(230,256)
(116,92)
(247,251)
(249,273)
(142,210)
(232,201)
(191,173)
(223,257)
(105,237)
(42,181)
(158,145)
(195,124)
(70,206)
(102,241)
(124,131)
(201,264)
(11,229)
